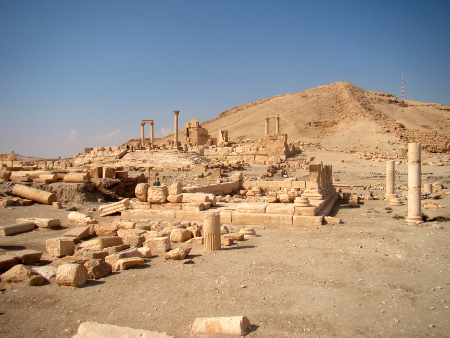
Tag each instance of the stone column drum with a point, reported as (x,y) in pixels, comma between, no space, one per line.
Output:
(390,179)
(414,183)
(211,231)
(34,194)
(175,132)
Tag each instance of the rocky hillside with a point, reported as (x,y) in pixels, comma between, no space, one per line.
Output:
(342,116)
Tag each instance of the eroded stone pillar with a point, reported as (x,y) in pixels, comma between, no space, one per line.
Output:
(211,231)
(314,190)
(175,132)
(142,134)
(414,183)
(277,125)
(390,179)
(152,133)
(266,127)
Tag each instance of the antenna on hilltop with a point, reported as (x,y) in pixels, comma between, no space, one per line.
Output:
(403,88)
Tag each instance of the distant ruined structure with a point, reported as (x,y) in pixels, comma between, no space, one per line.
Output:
(197,135)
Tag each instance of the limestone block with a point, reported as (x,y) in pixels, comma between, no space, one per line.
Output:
(166,206)
(97,268)
(129,253)
(33,194)
(78,233)
(108,172)
(71,275)
(122,233)
(237,177)
(225,216)
(226,241)
(7,262)
(180,235)
(46,271)
(305,211)
(175,189)
(96,172)
(158,245)
(252,207)
(87,253)
(121,174)
(12,229)
(280,209)
(28,257)
(68,260)
(134,241)
(150,234)
(114,207)
(190,197)
(5,175)
(333,220)
(189,215)
(96,330)
(285,198)
(309,221)
(125,224)
(101,242)
(196,240)
(129,263)
(77,178)
(114,249)
(157,194)
(175,198)
(195,230)
(232,326)
(141,205)
(141,191)
(60,246)
(106,229)
(22,274)
(234,237)
(178,253)
(41,222)
(145,252)
(193,206)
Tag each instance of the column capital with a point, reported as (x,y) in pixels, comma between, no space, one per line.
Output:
(176,112)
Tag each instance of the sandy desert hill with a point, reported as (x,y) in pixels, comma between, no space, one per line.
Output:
(340,116)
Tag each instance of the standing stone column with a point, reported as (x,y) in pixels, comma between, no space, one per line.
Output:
(277,125)
(266,127)
(152,133)
(390,179)
(211,231)
(175,133)
(142,134)
(414,182)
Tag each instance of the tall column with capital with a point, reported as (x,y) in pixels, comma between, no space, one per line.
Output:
(414,182)
(175,133)
(152,133)
(142,134)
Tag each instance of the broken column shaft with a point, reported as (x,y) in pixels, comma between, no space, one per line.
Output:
(414,182)
(211,231)
(175,132)
(390,179)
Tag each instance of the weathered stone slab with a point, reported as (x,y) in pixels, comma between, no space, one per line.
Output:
(96,330)
(278,208)
(86,253)
(178,253)
(193,206)
(255,208)
(114,249)
(180,235)
(101,242)
(68,260)
(78,233)
(7,262)
(308,221)
(175,198)
(128,263)
(134,241)
(106,229)
(28,257)
(189,215)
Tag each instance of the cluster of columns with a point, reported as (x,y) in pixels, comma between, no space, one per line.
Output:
(320,181)
(414,183)
(143,132)
(277,124)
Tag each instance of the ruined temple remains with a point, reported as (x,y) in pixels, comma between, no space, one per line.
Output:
(196,135)
(152,142)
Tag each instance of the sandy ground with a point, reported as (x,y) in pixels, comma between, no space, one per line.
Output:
(373,275)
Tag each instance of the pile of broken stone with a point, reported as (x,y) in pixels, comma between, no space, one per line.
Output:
(93,250)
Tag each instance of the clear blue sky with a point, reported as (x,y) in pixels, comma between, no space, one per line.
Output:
(76,74)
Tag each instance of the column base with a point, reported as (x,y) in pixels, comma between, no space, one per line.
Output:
(414,219)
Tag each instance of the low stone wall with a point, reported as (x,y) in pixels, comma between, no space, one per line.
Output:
(276,185)
(216,189)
